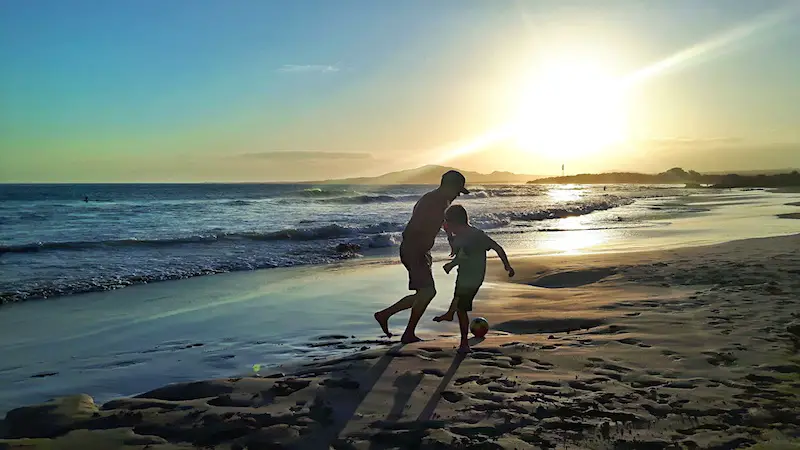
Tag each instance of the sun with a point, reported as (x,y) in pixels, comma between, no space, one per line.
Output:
(571,107)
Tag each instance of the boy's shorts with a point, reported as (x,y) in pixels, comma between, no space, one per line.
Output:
(464,297)
(418,264)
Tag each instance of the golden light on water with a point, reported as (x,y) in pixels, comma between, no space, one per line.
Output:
(565,194)
(573,242)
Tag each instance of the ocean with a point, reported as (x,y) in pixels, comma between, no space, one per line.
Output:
(53,243)
(114,342)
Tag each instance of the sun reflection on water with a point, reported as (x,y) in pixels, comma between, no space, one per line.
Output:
(568,193)
(574,242)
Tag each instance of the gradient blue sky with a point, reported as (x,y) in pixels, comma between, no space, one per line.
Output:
(263,90)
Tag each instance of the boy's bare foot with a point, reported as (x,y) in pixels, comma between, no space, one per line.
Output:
(464,349)
(383,321)
(444,317)
(409,339)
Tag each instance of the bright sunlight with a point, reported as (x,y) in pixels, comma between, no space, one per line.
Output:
(572,107)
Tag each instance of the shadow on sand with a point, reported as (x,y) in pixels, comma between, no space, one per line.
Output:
(346,405)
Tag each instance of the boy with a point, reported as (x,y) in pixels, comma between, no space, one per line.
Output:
(470,245)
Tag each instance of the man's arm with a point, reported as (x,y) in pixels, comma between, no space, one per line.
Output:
(502,254)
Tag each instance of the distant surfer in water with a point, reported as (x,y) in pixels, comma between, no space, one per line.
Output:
(86,199)
(415,252)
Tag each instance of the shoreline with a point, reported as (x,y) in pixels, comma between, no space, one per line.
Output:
(681,348)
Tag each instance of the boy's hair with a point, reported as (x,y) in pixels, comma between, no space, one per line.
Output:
(456,214)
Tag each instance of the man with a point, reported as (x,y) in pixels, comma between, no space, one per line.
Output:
(418,237)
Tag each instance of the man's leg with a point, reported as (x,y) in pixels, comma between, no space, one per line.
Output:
(422,298)
(403,304)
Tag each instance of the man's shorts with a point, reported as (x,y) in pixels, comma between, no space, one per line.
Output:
(464,297)
(418,265)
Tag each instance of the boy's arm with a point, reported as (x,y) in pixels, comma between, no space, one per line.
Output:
(450,238)
(502,254)
(453,262)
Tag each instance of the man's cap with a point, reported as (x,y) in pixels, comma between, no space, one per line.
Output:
(455,178)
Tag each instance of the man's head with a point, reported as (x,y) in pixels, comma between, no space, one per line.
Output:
(456,218)
(453,184)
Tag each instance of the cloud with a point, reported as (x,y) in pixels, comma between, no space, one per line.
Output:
(306,156)
(308,68)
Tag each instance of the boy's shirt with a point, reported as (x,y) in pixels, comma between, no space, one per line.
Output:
(471,248)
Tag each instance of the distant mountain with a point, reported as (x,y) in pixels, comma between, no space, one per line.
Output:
(432,174)
(679,176)
(755,172)
(776,180)
(672,176)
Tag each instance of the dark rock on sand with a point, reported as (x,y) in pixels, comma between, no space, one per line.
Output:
(49,419)
(347,247)
(190,391)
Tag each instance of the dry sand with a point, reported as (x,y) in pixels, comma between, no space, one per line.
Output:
(691,348)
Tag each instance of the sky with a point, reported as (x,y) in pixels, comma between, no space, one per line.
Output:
(257,90)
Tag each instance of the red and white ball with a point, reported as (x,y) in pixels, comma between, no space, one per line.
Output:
(479,327)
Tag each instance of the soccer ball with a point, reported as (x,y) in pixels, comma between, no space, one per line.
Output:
(479,327)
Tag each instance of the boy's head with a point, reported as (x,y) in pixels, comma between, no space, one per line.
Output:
(456,218)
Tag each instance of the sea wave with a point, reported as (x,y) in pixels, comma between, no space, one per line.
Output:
(503,219)
(331,231)
(370,198)
(322,192)
(58,287)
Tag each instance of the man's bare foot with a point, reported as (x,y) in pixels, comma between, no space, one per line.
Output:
(444,317)
(464,349)
(409,339)
(383,321)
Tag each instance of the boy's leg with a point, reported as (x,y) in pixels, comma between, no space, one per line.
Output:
(422,298)
(451,312)
(463,324)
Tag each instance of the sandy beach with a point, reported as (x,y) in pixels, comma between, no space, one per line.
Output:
(687,348)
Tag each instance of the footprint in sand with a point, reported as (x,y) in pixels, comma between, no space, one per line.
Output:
(488,396)
(498,364)
(581,386)
(609,374)
(501,388)
(468,379)
(434,372)
(720,359)
(541,363)
(546,383)
(452,397)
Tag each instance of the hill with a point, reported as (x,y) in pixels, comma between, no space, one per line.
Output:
(777,180)
(679,176)
(672,176)
(432,174)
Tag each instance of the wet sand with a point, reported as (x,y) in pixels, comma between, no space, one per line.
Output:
(688,348)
